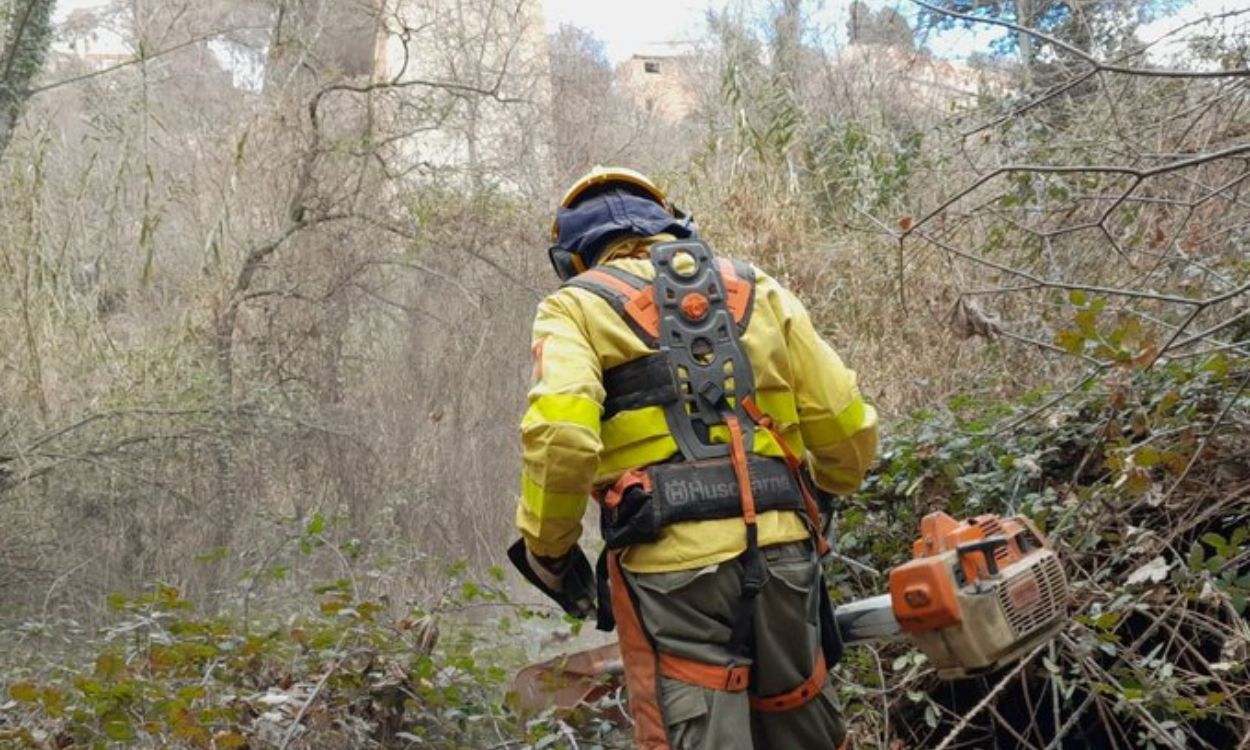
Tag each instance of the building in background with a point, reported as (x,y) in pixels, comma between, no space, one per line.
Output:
(661,80)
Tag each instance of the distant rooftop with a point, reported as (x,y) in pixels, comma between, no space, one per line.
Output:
(678,48)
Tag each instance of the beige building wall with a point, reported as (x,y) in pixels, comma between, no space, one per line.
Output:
(666,85)
(661,85)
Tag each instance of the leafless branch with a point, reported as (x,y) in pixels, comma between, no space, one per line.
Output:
(138,59)
(1080,53)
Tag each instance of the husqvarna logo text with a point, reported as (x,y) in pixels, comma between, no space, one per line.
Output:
(686,491)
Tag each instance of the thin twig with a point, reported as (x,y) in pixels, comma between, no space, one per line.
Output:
(1206,438)
(290,732)
(988,700)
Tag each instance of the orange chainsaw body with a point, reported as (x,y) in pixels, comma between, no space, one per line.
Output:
(978,593)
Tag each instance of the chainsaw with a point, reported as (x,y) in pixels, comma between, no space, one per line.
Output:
(976,596)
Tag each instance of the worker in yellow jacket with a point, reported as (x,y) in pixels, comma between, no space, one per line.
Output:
(691,397)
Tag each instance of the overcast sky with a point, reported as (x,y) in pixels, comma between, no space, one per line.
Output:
(639,25)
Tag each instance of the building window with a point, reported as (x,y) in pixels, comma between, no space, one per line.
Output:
(651,66)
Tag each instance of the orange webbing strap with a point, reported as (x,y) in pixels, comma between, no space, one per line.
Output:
(616,283)
(709,676)
(758,416)
(642,675)
(738,459)
(796,468)
(790,700)
(639,303)
(737,289)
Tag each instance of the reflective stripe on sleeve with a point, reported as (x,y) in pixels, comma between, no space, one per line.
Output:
(550,537)
(840,467)
(826,430)
(546,505)
(569,408)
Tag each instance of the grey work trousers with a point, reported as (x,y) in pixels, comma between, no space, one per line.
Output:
(690,614)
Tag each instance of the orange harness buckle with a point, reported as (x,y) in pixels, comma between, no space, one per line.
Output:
(612,497)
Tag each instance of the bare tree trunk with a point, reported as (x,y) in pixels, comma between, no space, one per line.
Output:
(788,27)
(27,31)
(1024,17)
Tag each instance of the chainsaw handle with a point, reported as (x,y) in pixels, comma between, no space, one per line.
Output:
(987,548)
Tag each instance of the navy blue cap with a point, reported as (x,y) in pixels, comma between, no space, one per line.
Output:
(593,223)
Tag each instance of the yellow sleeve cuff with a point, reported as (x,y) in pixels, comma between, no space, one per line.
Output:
(549,537)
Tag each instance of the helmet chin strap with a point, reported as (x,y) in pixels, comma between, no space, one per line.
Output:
(565,263)
(686,220)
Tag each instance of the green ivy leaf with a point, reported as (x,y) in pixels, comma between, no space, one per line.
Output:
(930,716)
(1072,342)
(1216,541)
(108,667)
(1196,557)
(229,741)
(118,727)
(24,692)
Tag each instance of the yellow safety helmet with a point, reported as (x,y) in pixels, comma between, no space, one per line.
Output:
(600,176)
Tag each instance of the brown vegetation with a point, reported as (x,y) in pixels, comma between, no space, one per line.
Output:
(265,289)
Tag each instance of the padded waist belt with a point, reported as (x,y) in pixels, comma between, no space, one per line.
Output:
(643,502)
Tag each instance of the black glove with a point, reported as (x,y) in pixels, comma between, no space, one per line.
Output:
(573,579)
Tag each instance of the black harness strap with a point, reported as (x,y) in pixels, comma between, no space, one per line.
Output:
(613,295)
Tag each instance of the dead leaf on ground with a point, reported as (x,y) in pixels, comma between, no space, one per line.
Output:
(1155,571)
(967,319)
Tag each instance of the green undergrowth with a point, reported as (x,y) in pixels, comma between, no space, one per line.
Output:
(1141,479)
(347,672)
(1135,475)
(1113,441)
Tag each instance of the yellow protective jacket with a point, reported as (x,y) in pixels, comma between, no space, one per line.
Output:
(567,450)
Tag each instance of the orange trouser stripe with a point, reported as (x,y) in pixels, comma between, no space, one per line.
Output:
(709,676)
(641,665)
(790,700)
